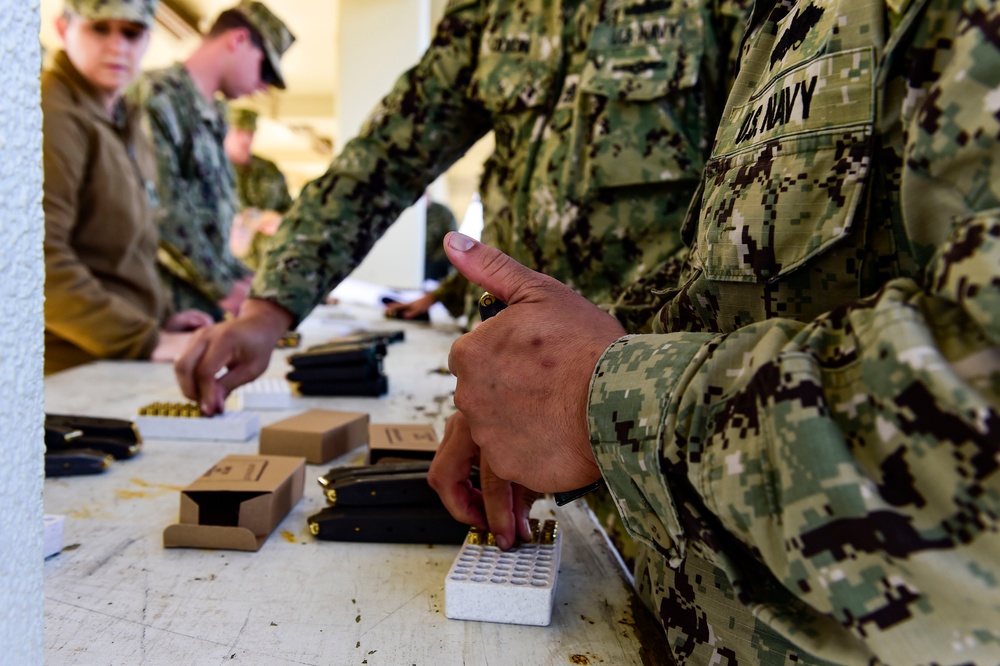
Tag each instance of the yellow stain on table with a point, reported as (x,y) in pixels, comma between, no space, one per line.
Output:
(156,490)
(130,494)
(289,537)
(160,486)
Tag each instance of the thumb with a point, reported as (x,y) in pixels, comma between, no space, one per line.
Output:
(491,269)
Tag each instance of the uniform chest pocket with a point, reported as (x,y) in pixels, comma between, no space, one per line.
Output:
(636,87)
(789,171)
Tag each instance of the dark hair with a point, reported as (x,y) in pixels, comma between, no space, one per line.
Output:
(233,20)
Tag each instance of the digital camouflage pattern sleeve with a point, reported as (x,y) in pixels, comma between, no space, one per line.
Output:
(809,445)
(420,129)
(196,189)
(440,220)
(261,185)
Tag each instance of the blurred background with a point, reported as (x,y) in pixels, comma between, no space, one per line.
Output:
(346,57)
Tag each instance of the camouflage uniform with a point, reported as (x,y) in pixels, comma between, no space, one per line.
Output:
(810,443)
(600,111)
(440,221)
(261,185)
(601,114)
(197,187)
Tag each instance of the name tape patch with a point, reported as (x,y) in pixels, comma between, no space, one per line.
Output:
(826,93)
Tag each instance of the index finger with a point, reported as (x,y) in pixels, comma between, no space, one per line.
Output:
(498,498)
(184,366)
(214,355)
(450,473)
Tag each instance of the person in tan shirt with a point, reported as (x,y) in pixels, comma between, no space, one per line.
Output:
(103,297)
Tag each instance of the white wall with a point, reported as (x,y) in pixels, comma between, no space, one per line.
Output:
(21,268)
(379,40)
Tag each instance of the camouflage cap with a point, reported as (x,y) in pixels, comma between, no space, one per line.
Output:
(244,119)
(137,11)
(276,36)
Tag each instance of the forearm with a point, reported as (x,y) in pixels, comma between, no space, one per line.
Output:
(275,319)
(411,137)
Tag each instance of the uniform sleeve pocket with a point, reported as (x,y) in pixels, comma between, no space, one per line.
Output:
(508,84)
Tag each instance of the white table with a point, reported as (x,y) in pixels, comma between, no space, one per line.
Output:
(116,596)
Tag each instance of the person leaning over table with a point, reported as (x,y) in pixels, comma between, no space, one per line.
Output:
(599,145)
(601,114)
(240,55)
(102,295)
(809,443)
(260,187)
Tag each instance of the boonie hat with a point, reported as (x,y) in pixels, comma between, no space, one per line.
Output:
(137,11)
(276,36)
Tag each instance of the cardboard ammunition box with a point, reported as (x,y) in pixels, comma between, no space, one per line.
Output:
(318,435)
(406,442)
(237,503)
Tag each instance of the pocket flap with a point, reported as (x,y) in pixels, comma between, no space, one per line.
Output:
(767,214)
(645,58)
(789,169)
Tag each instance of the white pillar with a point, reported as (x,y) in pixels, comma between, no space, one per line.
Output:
(22,407)
(379,40)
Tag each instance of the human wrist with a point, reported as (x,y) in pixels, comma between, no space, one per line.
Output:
(268,315)
(583,466)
